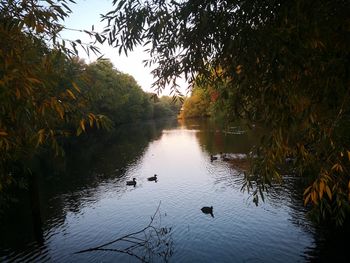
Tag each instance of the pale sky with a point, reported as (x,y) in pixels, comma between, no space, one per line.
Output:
(87,13)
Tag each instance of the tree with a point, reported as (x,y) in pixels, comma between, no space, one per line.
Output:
(40,101)
(115,94)
(285,65)
(166,106)
(197,105)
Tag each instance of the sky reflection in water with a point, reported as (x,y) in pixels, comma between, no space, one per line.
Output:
(101,207)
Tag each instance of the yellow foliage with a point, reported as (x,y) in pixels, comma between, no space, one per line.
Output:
(3,133)
(321,188)
(71,94)
(75,86)
(82,124)
(60,110)
(79,131)
(239,69)
(337,167)
(307,190)
(34,80)
(316,191)
(314,197)
(306,200)
(329,193)
(18,94)
(91,119)
(41,135)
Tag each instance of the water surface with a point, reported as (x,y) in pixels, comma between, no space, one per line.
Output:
(89,203)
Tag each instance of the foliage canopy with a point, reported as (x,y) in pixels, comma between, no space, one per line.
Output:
(280,64)
(47,93)
(40,100)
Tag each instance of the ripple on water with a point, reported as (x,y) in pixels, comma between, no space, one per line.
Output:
(97,212)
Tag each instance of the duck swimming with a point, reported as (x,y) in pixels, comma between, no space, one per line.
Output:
(153,178)
(212,158)
(207,210)
(224,157)
(133,182)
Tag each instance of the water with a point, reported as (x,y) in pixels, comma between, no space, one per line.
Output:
(88,203)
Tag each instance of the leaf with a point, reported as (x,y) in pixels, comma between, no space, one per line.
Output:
(71,94)
(306,201)
(41,134)
(34,80)
(82,125)
(60,111)
(79,131)
(99,39)
(121,3)
(321,190)
(307,190)
(18,94)
(75,86)
(314,197)
(329,193)
(91,119)
(3,133)
(337,167)
(69,10)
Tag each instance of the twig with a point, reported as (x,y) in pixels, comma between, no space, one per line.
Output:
(123,237)
(153,239)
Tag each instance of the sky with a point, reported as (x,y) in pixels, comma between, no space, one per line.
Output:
(86,13)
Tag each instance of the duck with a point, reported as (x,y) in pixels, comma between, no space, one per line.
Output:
(212,158)
(207,210)
(153,178)
(133,182)
(224,157)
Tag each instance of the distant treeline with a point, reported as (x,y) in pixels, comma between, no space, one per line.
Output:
(203,102)
(118,96)
(48,97)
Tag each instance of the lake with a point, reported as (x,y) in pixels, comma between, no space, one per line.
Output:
(85,203)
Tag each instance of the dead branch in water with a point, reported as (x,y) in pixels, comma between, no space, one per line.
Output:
(145,244)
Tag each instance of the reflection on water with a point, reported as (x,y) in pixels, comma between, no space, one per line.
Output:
(151,243)
(86,202)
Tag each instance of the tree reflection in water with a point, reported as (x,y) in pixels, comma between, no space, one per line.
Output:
(152,243)
(329,245)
